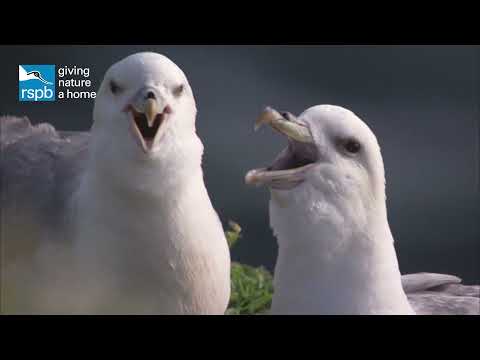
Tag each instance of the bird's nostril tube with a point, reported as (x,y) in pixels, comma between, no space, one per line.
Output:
(150,95)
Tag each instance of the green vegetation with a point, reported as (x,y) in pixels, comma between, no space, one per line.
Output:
(252,288)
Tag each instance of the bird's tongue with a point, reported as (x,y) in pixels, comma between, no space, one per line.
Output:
(148,143)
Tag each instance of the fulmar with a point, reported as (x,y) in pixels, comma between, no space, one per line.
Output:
(328,211)
(116,220)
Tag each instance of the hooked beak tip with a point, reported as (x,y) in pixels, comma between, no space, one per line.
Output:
(287,126)
(151,111)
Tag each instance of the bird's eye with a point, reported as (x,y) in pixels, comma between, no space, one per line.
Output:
(352,146)
(114,88)
(178,90)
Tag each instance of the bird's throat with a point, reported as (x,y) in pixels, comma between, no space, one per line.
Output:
(340,270)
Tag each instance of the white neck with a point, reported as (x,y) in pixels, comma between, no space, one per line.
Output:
(144,224)
(117,193)
(326,267)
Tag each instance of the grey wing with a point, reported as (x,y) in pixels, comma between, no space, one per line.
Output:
(440,294)
(39,170)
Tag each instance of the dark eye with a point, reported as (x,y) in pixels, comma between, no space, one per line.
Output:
(352,146)
(177,91)
(114,88)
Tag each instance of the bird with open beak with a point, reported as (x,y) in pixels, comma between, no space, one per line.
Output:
(145,216)
(328,212)
(119,218)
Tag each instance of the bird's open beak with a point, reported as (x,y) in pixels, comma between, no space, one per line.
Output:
(148,117)
(290,167)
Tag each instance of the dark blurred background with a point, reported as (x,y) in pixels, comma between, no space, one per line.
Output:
(421,101)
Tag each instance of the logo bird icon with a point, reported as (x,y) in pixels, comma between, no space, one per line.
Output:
(23,75)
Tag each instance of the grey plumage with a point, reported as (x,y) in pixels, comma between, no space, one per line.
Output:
(440,294)
(39,167)
(39,170)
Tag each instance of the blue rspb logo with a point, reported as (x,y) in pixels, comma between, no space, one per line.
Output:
(36,82)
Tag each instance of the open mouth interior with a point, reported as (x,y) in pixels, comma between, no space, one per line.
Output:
(295,156)
(148,133)
(288,169)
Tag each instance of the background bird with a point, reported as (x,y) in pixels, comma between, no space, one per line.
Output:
(117,220)
(328,212)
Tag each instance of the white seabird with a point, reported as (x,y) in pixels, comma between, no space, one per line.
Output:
(328,211)
(117,220)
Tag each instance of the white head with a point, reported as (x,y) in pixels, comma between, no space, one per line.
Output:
(144,116)
(331,170)
(328,212)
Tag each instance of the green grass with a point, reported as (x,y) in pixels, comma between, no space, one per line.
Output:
(251,287)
